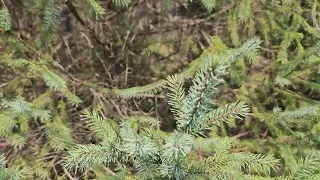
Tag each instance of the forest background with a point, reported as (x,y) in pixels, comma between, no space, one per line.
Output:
(170,89)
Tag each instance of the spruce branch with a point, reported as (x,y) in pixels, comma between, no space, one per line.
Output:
(139,91)
(102,127)
(15,173)
(54,81)
(2,161)
(256,162)
(51,17)
(7,123)
(144,121)
(209,4)
(196,96)
(59,136)
(222,113)
(306,167)
(176,95)
(136,145)
(310,111)
(82,157)
(178,145)
(124,3)
(96,7)
(5,19)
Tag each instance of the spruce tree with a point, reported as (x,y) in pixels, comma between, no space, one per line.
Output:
(186,89)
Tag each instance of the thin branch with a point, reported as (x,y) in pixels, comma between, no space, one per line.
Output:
(3,3)
(3,84)
(240,135)
(68,174)
(195,109)
(110,171)
(75,13)
(123,46)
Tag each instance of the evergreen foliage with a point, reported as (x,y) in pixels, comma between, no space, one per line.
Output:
(168,155)
(51,16)
(5,20)
(122,89)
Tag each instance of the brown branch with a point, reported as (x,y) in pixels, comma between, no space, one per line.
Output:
(68,174)
(110,171)
(240,135)
(3,84)
(75,13)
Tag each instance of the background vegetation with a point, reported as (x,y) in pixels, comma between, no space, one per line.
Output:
(172,89)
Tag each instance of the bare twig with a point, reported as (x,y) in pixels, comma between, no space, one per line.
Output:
(4,5)
(75,13)
(240,135)
(3,84)
(117,108)
(110,171)
(68,174)
(123,46)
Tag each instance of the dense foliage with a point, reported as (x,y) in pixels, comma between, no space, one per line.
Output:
(172,89)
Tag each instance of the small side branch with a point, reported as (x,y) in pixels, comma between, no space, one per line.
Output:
(75,13)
